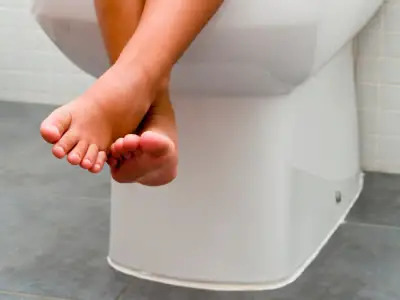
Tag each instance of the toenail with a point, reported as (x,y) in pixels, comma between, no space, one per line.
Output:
(59,149)
(75,156)
(54,129)
(97,166)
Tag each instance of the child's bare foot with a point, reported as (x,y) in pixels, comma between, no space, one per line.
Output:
(86,127)
(151,158)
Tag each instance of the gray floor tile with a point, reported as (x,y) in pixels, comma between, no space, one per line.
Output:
(379,202)
(359,263)
(24,111)
(56,246)
(55,218)
(11,296)
(54,233)
(26,161)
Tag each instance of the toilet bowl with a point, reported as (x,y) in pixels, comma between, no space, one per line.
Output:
(269,159)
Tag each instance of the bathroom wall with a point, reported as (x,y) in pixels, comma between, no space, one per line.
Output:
(378,77)
(32,69)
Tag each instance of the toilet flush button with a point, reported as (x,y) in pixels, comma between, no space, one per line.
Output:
(338,197)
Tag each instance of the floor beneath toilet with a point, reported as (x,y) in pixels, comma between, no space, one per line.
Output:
(54,233)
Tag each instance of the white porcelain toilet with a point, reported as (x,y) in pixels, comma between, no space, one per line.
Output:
(269,165)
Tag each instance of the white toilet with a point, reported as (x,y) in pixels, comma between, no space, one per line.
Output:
(269,166)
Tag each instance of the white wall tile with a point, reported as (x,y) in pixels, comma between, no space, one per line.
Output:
(369,152)
(368,120)
(388,166)
(368,69)
(378,91)
(389,149)
(391,46)
(391,16)
(389,70)
(389,97)
(367,96)
(389,124)
(31,67)
(369,43)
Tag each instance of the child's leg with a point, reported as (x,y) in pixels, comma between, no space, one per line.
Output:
(118,21)
(157,161)
(116,104)
(59,129)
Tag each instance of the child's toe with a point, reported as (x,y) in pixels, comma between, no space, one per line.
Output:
(65,144)
(131,142)
(100,161)
(155,144)
(78,153)
(55,125)
(90,157)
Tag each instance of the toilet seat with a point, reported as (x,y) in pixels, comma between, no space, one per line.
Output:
(263,48)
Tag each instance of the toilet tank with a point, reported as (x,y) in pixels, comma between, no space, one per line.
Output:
(250,48)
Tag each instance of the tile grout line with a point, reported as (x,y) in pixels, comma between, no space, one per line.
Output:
(31,296)
(381,51)
(362,224)
(123,291)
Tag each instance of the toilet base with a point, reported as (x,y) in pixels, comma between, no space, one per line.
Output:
(229,286)
(262,185)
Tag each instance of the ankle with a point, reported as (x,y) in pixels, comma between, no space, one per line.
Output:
(132,77)
(133,67)
(165,82)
